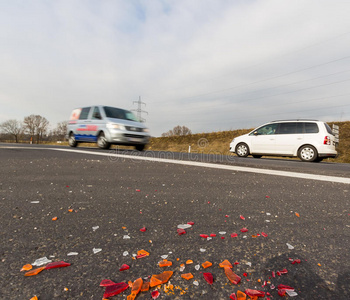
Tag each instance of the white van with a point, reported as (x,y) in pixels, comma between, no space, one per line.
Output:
(310,140)
(106,125)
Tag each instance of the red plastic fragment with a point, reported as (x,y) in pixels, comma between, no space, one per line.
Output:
(244,229)
(124,267)
(234,278)
(264,234)
(155,294)
(233,296)
(115,289)
(285,287)
(234,235)
(208,277)
(143,229)
(181,231)
(273,274)
(284,271)
(190,223)
(204,236)
(57,264)
(213,235)
(254,293)
(222,237)
(242,218)
(106,282)
(296,261)
(226,216)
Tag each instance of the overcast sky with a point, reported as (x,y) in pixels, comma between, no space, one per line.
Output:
(210,65)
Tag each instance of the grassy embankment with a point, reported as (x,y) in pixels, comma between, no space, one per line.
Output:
(218,142)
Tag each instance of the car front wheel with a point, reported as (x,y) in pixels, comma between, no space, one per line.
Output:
(102,141)
(308,153)
(242,150)
(72,141)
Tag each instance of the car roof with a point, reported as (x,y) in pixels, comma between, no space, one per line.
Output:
(295,120)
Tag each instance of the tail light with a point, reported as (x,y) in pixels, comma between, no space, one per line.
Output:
(327,140)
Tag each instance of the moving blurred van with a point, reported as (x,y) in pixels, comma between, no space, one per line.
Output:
(106,125)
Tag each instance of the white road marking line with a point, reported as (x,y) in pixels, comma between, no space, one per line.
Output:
(206,165)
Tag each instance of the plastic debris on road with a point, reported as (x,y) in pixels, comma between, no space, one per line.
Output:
(41,261)
(208,277)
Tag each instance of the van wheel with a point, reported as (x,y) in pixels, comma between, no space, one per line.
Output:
(307,153)
(140,147)
(102,141)
(72,141)
(242,150)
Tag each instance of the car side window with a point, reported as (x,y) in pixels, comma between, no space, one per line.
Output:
(311,128)
(96,115)
(266,130)
(84,113)
(287,128)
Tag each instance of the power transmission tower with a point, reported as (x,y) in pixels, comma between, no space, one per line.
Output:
(139,109)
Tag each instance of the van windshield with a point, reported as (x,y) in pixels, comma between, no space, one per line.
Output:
(117,113)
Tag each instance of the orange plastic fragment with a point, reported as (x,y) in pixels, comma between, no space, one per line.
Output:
(234,278)
(165,263)
(135,289)
(188,262)
(206,264)
(297,214)
(34,298)
(225,263)
(142,253)
(160,278)
(187,276)
(241,295)
(70,210)
(26,267)
(145,287)
(34,272)
(54,218)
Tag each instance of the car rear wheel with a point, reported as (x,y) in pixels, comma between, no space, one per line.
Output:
(308,153)
(102,141)
(72,141)
(140,147)
(242,150)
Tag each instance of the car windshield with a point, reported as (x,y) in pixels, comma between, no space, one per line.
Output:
(117,113)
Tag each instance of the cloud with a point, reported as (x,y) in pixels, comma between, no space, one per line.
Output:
(209,65)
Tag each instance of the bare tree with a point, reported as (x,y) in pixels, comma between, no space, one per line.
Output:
(60,131)
(178,131)
(36,125)
(12,127)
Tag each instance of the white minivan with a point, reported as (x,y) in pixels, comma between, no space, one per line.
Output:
(310,140)
(106,125)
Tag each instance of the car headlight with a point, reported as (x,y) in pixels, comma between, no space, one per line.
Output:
(145,130)
(115,126)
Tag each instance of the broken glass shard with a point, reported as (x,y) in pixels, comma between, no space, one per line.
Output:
(206,264)
(197,267)
(34,272)
(234,278)
(291,293)
(233,296)
(115,289)
(254,293)
(96,250)
(72,253)
(124,267)
(95,228)
(241,295)
(184,226)
(208,277)
(41,261)
(187,276)
(290,247)
(202,250)
(160,278)
(181,231)
(196,283)
(27,267)
(57,264)
(145,287)
(155,294)
(225,264)
(222,232)
(125,253)
(165,263)
(126,237)
(107,282)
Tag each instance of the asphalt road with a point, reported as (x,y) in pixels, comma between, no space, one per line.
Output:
(121,195)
